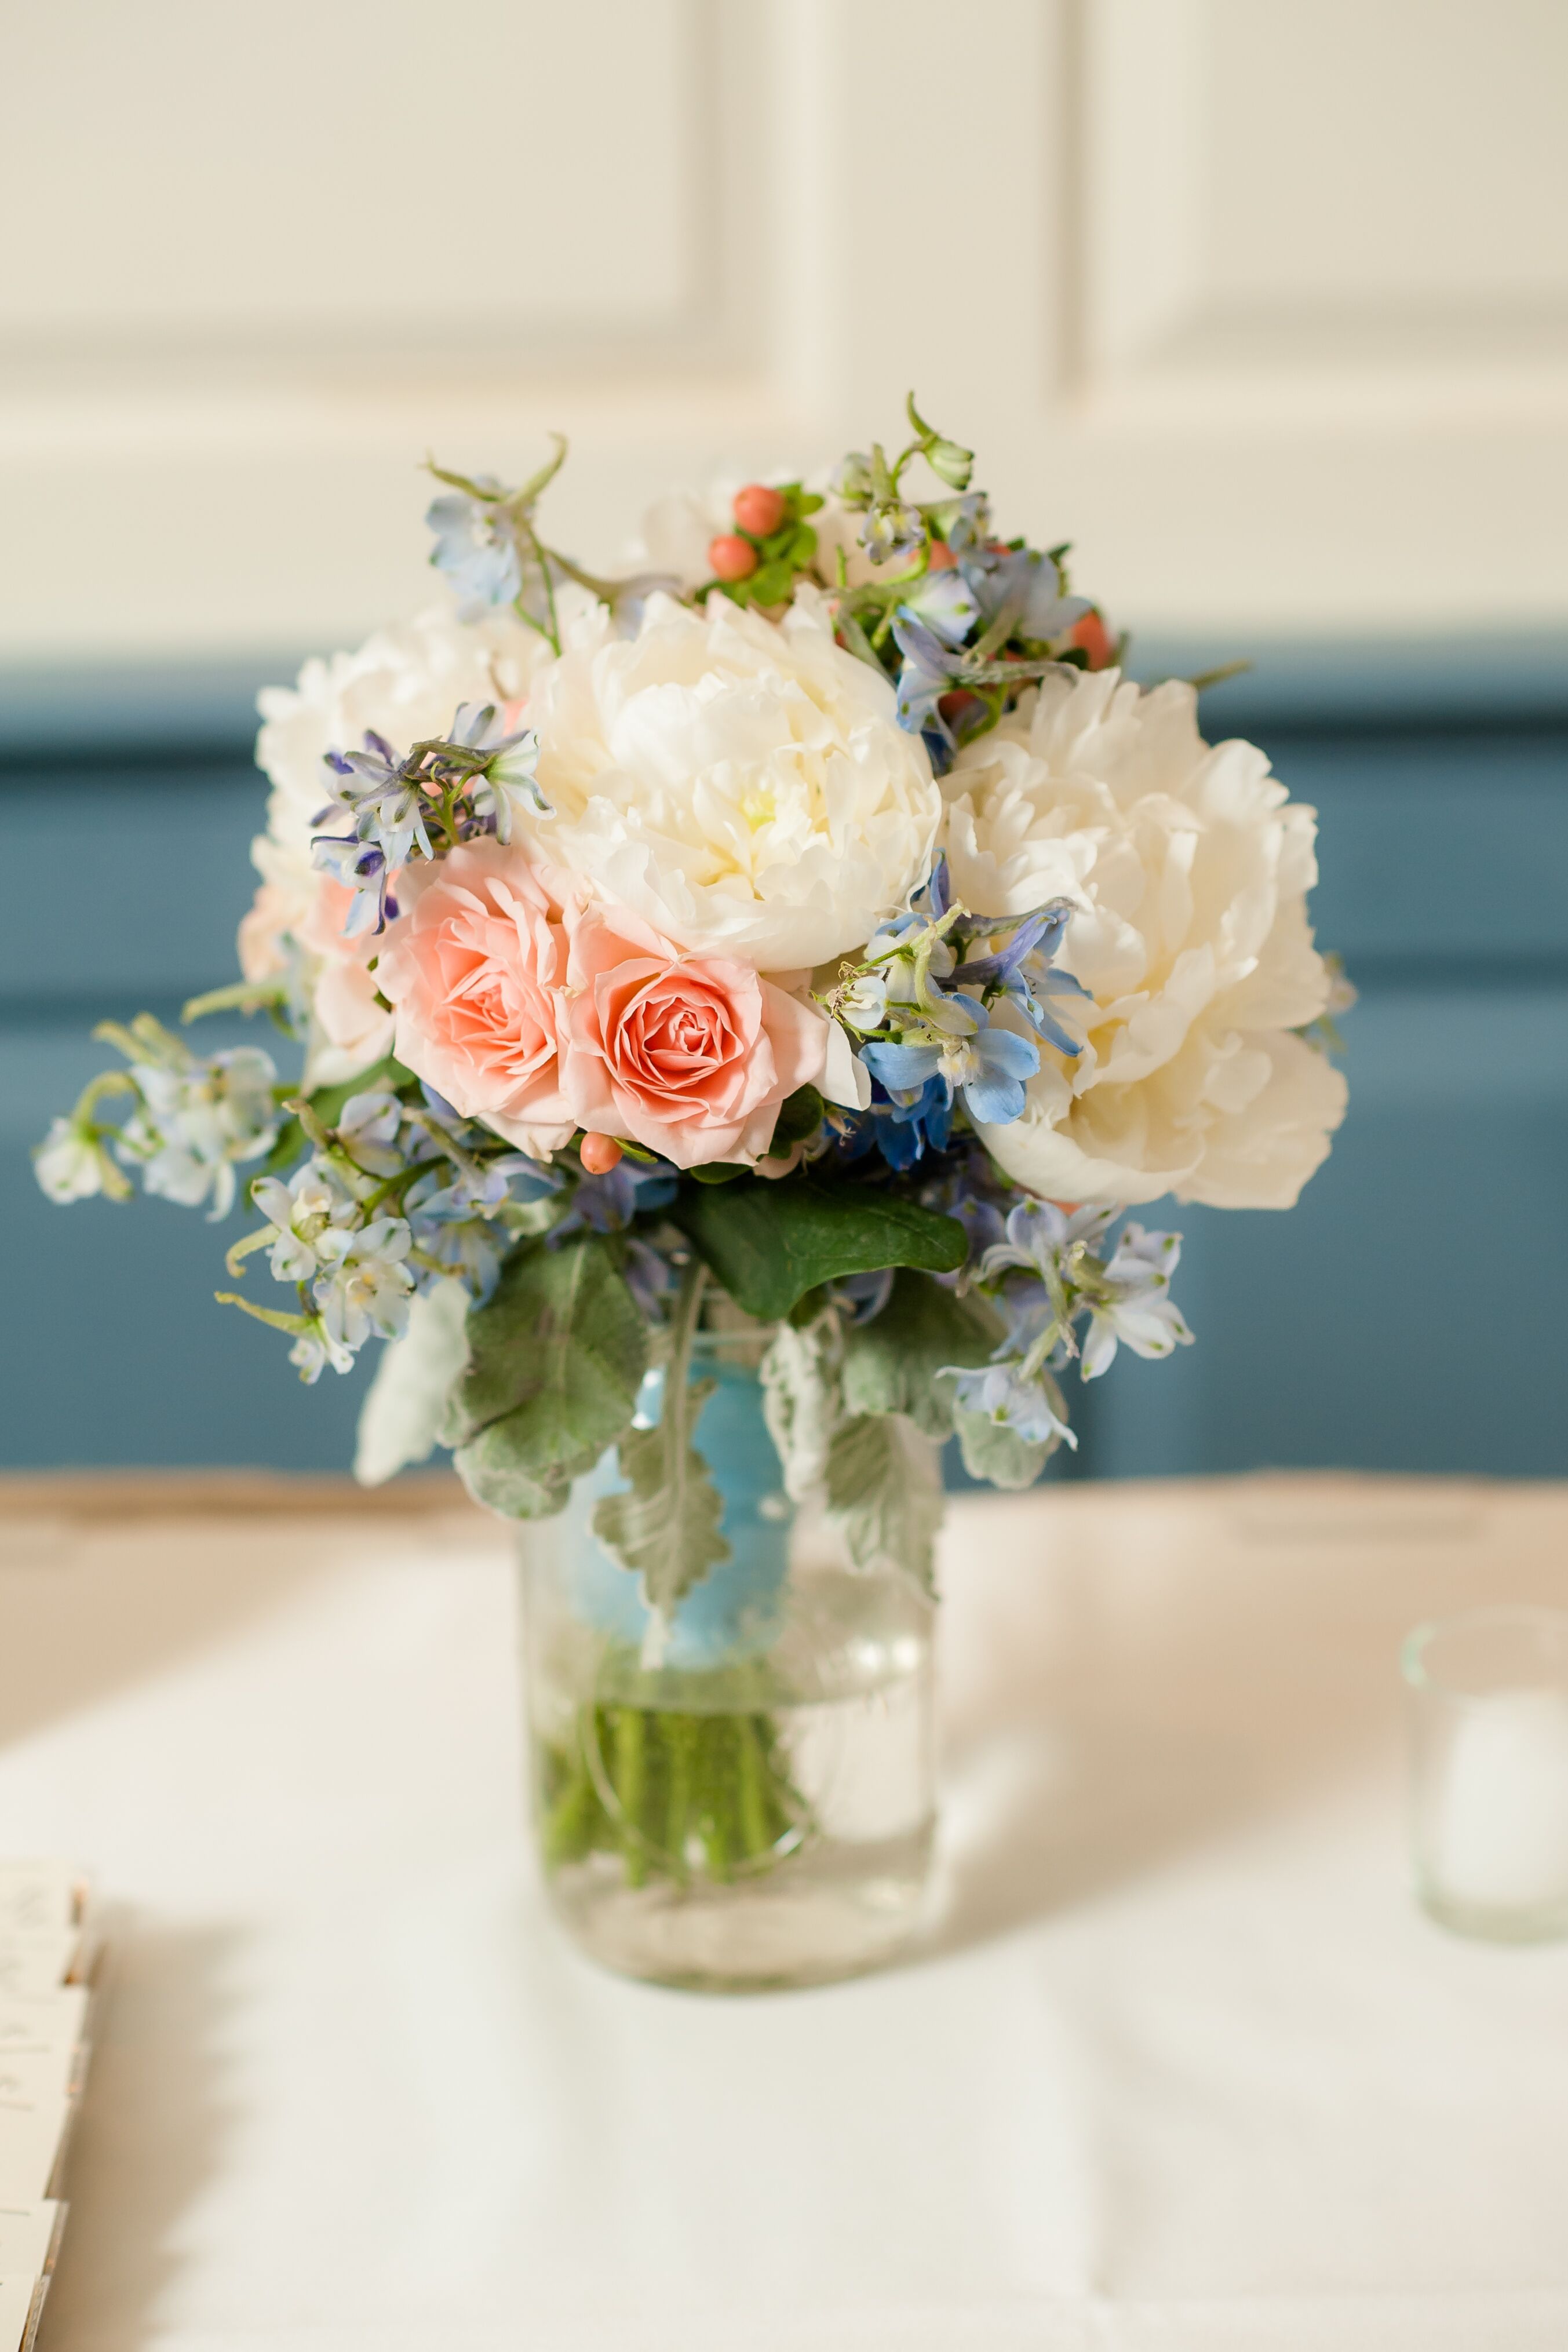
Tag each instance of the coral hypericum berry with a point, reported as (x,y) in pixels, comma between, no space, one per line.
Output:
(732,558)
(599,1153)
(759,510)
(1091,636)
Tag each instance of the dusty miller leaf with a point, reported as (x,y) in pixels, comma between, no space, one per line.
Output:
(667,1529)
(891,1363)
(884,1490)
(800,1401)
(556,1356)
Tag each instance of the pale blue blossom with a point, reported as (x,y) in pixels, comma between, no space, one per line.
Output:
(315,1350)
(927,672)
(72,1163)
(944,602)
(1029,585)
(476,546)
(1029,1405)
(364,1288)
(892,528)
(193,1121)
(314,1202)
(1133,1303)
(369,1126)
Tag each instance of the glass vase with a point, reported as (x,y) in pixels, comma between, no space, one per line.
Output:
(739,1793)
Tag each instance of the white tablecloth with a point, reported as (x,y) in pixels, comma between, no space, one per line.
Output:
(1184,2068)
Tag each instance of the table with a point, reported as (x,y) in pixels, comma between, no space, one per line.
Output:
(1182,2067)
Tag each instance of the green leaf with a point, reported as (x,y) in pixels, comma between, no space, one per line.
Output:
(769,1244)
(997,1454)
(556,1356)
(884,1489)
(667,1529)
(769,584)
(719,1172)
(891,1364)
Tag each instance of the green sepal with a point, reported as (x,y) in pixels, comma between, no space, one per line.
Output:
(770,1242)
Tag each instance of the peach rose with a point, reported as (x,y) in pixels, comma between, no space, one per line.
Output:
(473,967)
(690,1055)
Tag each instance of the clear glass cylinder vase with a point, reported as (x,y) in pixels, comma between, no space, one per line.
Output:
(740,1794)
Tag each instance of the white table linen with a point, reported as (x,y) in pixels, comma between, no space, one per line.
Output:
(1182,2067)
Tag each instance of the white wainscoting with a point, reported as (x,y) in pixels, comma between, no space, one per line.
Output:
(1265,306)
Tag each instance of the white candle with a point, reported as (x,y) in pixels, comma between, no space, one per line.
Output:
(1497,1820)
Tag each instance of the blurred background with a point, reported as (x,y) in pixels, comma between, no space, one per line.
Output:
(1264,307)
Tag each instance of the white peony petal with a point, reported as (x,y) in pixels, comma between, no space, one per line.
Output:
(1190,868)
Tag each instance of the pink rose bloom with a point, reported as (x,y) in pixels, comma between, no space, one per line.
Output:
(473,966)
(690,1055)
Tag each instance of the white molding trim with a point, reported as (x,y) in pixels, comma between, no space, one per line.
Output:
(1003,205)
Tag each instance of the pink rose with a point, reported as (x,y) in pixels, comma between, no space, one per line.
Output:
(473,965)
(690,1055)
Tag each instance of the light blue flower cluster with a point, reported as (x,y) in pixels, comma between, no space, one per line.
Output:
(920,1005)
(453,789)
(395,1197)
(193,1119)
(1047,1269)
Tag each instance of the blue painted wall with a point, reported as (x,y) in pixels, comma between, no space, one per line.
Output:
(1408,1315)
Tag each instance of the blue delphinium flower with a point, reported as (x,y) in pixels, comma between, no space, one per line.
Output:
(926,675)
(1023,970)
(476,547)
(987,1066)
(944,602)
(1028,581)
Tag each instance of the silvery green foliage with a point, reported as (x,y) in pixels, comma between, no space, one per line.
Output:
(556,1356)
(665,1527)
(896,1361)
(801,1402)
(407,1401)
(884,1491)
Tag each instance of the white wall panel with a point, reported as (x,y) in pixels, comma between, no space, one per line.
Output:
(1267,306)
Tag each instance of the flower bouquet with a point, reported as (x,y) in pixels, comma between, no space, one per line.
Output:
(736,999)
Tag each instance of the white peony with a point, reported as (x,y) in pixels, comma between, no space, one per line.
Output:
(1190,866)
(740,785)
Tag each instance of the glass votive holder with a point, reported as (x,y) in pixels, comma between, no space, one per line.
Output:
(1488,1718)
